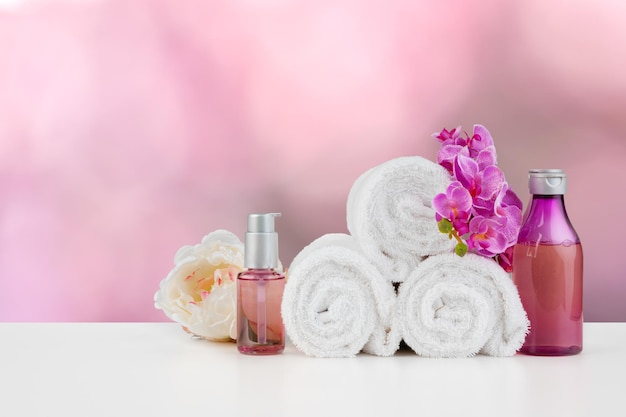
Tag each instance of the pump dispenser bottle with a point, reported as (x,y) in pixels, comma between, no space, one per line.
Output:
(260,329)
(548,269)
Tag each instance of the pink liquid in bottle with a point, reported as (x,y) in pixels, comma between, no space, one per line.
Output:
(551,292)
(548,270)
(259,322)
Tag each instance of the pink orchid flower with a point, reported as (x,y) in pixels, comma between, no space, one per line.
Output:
(486,235)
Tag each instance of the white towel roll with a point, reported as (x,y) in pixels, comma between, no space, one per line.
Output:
(453,306)
(336,302)
(389,212)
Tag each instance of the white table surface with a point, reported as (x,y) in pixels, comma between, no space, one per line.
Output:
(148,369)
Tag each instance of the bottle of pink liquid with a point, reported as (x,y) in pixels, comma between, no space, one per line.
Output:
(548,269)
(260,329)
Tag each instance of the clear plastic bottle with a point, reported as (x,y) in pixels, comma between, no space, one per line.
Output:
(548,269)
(260,329)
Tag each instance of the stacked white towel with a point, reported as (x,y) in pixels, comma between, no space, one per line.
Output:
(339,298)
(336,302)
(389,212)
(453,306)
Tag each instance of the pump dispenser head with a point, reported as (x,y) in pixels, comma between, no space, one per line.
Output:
(261,242)
(547,181)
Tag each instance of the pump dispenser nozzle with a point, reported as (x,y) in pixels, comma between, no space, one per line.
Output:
(261,241)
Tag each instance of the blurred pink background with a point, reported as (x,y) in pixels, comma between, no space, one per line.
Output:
(129,128)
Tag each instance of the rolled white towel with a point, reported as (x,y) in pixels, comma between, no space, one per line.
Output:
(336,302)
(455,306)
(389,212)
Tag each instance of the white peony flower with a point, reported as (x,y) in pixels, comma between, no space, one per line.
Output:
(200,292)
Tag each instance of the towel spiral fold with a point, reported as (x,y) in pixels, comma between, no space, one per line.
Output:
(389,212)
(453,306)
(336,303)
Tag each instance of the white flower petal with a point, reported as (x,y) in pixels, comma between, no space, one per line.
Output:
(199,270)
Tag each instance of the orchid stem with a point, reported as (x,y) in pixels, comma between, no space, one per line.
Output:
(454,234)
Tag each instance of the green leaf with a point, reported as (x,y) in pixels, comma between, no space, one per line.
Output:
(460,249)
(445,226)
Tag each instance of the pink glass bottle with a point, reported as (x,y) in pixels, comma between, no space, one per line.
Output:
(260,329)
(548,269)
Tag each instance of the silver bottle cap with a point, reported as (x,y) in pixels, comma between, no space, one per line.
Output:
(547,181)
(261,242)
